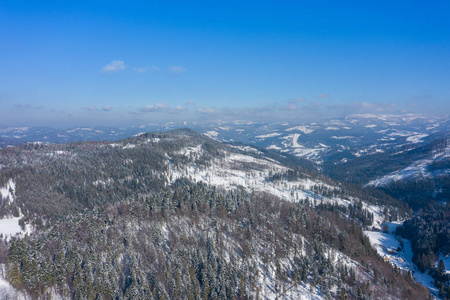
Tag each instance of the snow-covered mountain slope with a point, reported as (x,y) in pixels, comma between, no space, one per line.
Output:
(421,168)
(236,221)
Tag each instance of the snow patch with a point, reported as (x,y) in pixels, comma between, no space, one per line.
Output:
(261,137)
(211,134)
(274,147)
(416,138)
(10,227)
(303,129)
(129,146)
(342,137)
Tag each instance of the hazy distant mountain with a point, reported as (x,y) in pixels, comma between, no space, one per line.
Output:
(340,139)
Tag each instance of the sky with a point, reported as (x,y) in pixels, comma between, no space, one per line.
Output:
(110,63)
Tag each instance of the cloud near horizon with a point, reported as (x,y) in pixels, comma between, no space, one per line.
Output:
(206,110)
(160,106)
(323,96)
(28,106)
(293,104)
(90,108)
(114,67)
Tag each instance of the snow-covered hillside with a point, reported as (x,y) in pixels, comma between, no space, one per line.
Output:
(417,169)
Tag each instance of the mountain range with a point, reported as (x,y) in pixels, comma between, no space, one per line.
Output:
(231,210)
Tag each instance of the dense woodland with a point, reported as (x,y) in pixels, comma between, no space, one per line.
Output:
(197,242)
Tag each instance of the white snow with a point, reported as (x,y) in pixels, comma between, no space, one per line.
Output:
(8,292)
(103,182)
(10,227)
(402,133)
(291,141)
(275,147)
(261,137)
(139,134)
(303,129)
(211,134)
(129,146)
(416,138)
(192,151)
(14,129)
(342,137)
(247,149)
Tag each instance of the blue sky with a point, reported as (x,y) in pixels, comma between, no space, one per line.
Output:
(68,63)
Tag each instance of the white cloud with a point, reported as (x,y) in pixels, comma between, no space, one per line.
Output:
(107,108)
(177,69)
(114,67)
(177,109)
(290,106)
(154,108)
(90,108)
(206,110)
(189,102)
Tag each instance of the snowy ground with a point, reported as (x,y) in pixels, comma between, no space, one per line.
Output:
(10,227)
(383,242)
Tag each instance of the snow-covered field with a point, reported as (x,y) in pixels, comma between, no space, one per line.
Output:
(10,227)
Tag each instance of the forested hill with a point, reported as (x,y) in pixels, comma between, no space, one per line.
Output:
(177,215)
